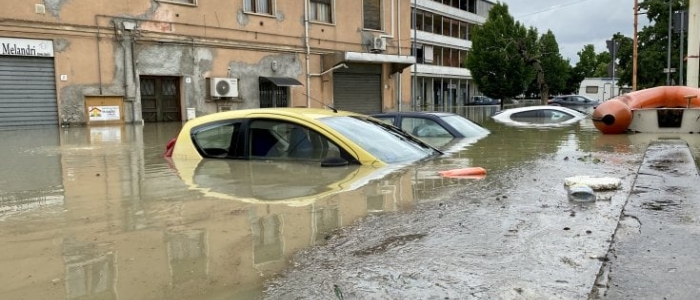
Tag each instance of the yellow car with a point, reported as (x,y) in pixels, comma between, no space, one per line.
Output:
(327,136)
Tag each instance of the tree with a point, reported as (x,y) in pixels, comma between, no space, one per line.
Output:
(555,68)
(529,51)
(623,59)
(585,67)
(587,61)
(602,60)
(495,61)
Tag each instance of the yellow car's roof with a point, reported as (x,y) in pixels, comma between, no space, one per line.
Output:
(311,113)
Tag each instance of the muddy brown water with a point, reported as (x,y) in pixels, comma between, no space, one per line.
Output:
(97,213)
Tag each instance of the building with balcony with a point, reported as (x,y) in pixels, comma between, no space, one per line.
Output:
(441,41)
(68,62)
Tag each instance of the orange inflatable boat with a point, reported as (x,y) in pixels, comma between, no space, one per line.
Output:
(615,115)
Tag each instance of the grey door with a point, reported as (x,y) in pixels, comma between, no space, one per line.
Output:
(358,88)
(27,92)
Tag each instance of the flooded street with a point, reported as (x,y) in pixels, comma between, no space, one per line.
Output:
(98,213)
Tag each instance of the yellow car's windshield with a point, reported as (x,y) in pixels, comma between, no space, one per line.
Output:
(384,141)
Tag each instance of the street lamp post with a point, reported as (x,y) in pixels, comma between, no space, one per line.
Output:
(634,46)
(668,49)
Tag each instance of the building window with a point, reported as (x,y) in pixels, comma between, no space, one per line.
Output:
(437,21)
(428,22)
(258,6)
(372,14)
(272,95)
(188,2)
(321,11)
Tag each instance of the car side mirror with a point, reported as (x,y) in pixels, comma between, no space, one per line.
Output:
(334,162)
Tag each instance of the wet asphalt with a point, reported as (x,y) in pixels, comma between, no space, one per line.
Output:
(521,239)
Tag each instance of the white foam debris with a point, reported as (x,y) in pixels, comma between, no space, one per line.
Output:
(595,183)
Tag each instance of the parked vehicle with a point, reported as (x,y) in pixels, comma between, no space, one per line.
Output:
(482,100)
(539,115)
(573,101)
(434,124)
(446,131)
(602,88)
(331,137)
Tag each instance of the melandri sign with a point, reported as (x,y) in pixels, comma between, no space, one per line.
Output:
(26,47)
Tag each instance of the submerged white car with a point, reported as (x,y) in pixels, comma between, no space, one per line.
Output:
(540,115)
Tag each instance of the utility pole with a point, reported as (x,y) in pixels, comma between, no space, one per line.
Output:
(613,46)
(668,49)
(693,44)
(680,23)
(634,46)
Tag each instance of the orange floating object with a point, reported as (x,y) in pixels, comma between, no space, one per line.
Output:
(471,173)
(615,115)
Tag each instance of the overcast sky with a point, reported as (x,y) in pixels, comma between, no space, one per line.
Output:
(576,23)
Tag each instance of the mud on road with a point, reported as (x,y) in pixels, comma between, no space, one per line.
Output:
(512,235)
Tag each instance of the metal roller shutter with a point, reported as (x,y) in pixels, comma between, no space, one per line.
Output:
(27,92)
(358,92)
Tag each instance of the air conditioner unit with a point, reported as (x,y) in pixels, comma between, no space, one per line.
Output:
(378,44)
(223,87)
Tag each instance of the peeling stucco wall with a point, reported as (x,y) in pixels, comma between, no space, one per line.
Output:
(196,90)
(177,60)
(73,101)
(53,7)
(287,65)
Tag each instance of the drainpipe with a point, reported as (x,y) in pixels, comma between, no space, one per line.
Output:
(398,25)
(414,75)
(329,70)
(308,53)
(99,60)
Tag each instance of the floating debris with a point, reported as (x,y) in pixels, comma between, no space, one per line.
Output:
(581,193)
(595,183)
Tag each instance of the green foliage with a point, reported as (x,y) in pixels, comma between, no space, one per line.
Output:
(556,69)
(507,58)
(587,62)
(494,62)
(603,60)
(652,46)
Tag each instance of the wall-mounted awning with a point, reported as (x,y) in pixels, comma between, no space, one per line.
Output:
(397,62)
(281,81)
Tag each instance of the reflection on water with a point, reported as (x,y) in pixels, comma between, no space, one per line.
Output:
(98,213)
